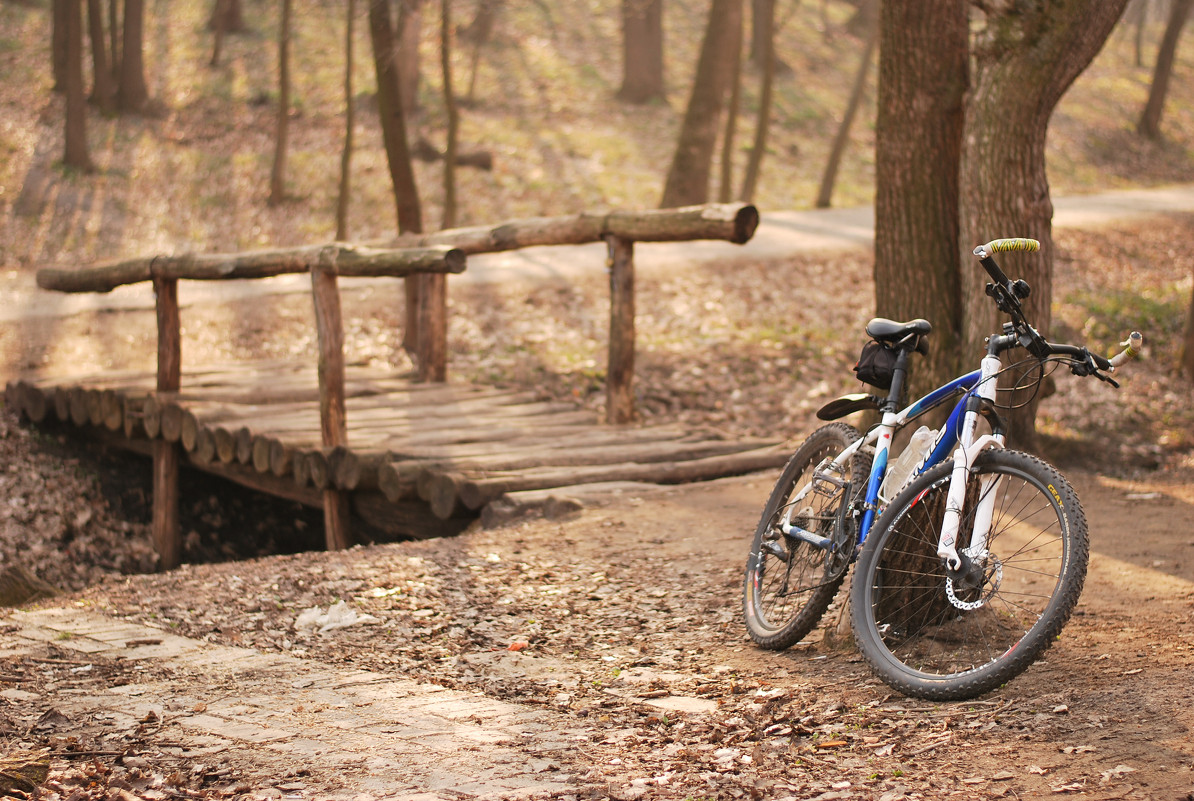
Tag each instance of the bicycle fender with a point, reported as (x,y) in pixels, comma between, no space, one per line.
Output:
(848,404)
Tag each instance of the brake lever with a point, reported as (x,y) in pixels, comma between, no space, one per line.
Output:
(1107,378)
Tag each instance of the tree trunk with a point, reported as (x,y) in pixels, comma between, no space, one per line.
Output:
(923,56)
(133,94)
(393,121)
(75,154)
(103,92)
(219,18)
(478,33)
(445,45)
(277,178)
(754,164)
(1024,62)
(393,128)
(60,21)
(1187,355)
(642,51)
(114,17)
(1149,125)
(227,15)
(725,191)
(843,132)
(349,121)
(688,177)
(410,24)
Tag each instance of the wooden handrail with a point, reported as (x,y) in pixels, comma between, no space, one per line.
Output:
(732,222)
(342,259)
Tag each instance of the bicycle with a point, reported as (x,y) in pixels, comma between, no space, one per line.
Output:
(969,557)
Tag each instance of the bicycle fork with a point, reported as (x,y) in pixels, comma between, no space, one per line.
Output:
(965,454)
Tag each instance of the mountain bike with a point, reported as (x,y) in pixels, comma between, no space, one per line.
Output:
(969,557)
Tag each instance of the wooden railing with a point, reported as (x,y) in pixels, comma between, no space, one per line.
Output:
(438,255)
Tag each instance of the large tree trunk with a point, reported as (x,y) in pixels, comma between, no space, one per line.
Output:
(923,56)
(277,178)
(1025,60)
(76,154)
(1150,120)
(687,181)
(642,51)
(133,94)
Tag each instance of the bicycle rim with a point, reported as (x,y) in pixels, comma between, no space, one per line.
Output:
(935,636)
(789,583)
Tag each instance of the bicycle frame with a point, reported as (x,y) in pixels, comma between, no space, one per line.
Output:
(956,437)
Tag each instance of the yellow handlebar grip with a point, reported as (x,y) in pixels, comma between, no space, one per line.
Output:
(1007,245)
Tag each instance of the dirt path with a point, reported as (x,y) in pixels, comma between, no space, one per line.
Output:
(603,656)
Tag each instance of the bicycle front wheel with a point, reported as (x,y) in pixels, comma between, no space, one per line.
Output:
(789,581)
(946,637)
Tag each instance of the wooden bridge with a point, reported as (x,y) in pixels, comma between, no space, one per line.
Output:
(412,456)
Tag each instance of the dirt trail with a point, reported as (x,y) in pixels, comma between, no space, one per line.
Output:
(630,675)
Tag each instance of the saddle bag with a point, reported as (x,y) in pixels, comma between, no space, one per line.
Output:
(876,365)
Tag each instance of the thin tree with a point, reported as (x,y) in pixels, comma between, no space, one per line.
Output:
(277,176)
(1149,125)
(1025,58)
(59,22)
(445,49)
(409,31)
(765,30)
(642,51)
(76,154)
(219,19)
(342,201)
(725,192)
(103,91)
(393,129)
(829,178)
(918,144)
(133,94)
(478,33)
(687,180)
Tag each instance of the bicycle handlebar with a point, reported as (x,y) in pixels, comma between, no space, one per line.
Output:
(1007,296)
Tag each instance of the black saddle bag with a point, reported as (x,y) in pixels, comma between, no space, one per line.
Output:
(876,365)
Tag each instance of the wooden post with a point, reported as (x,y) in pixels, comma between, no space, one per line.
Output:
(332,410)
(433,327)
(166,535)
(619,382)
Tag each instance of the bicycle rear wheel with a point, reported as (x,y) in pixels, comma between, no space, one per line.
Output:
(949,637)
(789,582)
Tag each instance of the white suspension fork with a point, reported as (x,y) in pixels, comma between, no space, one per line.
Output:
(965,454)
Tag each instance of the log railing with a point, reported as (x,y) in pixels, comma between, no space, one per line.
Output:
(434,254)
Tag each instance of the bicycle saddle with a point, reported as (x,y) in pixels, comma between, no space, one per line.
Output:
(884,330)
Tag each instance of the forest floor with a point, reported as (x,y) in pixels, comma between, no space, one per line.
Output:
(618,626)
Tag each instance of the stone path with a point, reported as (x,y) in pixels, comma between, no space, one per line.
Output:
(354,732)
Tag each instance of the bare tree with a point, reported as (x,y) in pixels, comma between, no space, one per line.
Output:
(59,19)
(133,94)
(409,28)
(103,92)
(478,33)
(1150,119)
(277,177)
(765,29)
(445,49)
(725,191)
(688,177)
(76,154)
(349,122)
(829,178)
(642,51)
